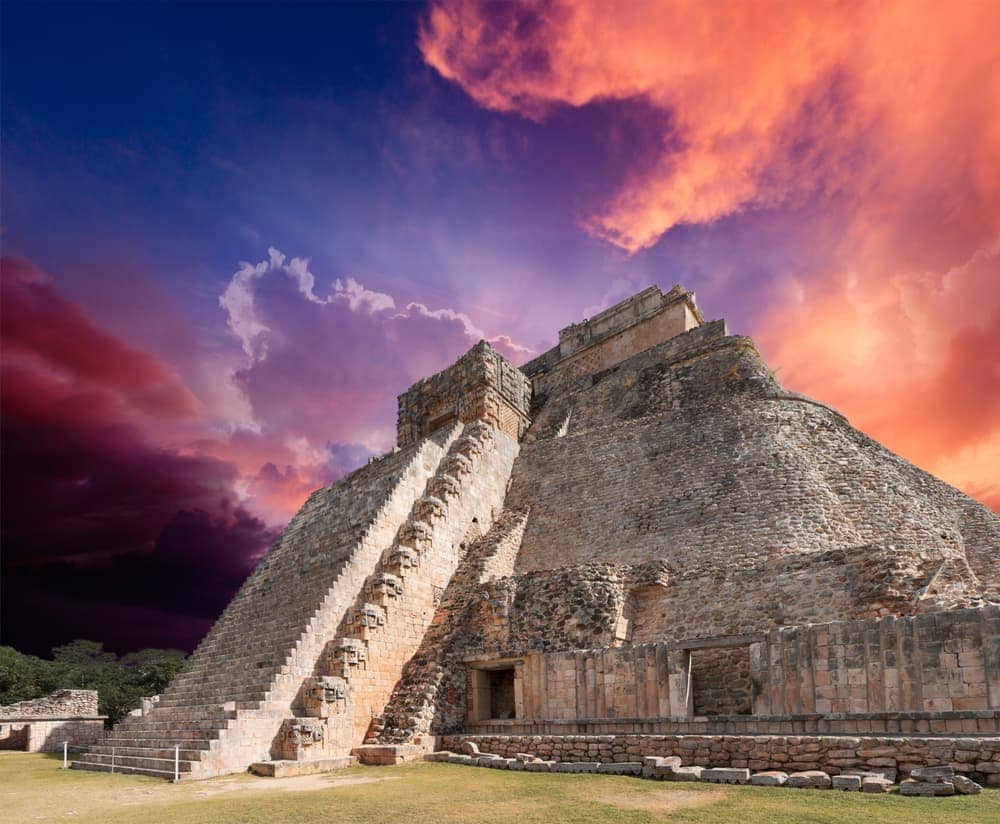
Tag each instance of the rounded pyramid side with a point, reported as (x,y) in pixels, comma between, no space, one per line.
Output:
(692,454)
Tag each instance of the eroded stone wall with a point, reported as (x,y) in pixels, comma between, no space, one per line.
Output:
(45,724)
(978,758)
(614,335)
(936,662)
(699,458)
(481,385)
(59,704)
(720,681)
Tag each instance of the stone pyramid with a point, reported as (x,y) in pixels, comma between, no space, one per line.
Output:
(637,524)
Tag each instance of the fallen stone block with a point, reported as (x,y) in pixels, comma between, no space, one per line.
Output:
(525,756)
(933,775)
(538,766)
(514,764)
(851,783)
(621,768)
(470,748)
(441,755)
(769,778)
(576,766)
(809,779)
(685,774)
(965,785)
(657,761)
(488,760)
(726,775)
(874,784)
(659,768)
(461,759)
(926,788)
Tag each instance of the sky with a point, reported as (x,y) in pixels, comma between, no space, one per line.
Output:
(233,233)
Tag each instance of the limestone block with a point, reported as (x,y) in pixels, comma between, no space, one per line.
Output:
(815,779)
(660,768)
(873,784)
(726,775)
(657,761)
(926,788)
(441,755)
(470,748)
(622,768)
(851,783)
(461,759)
(576,766)
(933,775)
(515,764)
(965,785)
(538,766)
(769,778)
(685,774)
(525,756)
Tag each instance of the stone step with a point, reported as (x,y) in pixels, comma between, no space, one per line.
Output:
(211,700)
(146,752)
(84,763)
(165,765)
(209,711)
(160,740)
(217,697)
(153,725)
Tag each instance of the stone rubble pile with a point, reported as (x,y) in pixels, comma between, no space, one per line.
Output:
(923,781)
(934,781)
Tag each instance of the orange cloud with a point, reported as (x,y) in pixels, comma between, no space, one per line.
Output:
(913,360)
(882,116)
(767,98)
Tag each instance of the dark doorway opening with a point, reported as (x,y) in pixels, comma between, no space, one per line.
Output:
(501,693)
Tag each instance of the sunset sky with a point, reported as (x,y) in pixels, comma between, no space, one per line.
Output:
(232,234)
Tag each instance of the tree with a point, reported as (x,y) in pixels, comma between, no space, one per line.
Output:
(24,677)
(80,664)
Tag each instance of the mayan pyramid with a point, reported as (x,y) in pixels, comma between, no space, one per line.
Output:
(639,533)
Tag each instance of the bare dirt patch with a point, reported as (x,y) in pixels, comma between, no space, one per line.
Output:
(299,783)
(662,802)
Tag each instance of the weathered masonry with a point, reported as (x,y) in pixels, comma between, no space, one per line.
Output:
(638,542)
(45,724)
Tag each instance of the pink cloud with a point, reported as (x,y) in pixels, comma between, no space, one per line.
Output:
(327,367)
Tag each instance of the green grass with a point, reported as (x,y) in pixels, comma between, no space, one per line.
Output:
(34,788)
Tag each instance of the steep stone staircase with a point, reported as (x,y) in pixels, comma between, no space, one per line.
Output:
(391,615)
(225,710)
(309,650)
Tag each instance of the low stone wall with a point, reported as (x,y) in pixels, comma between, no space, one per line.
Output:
(977,758)
(49,734)
(938,661)
(59,704)
(45,724)
(970,722)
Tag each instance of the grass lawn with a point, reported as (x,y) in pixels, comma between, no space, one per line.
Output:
(34,788)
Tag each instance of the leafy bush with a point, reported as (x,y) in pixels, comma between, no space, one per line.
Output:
(120,682)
